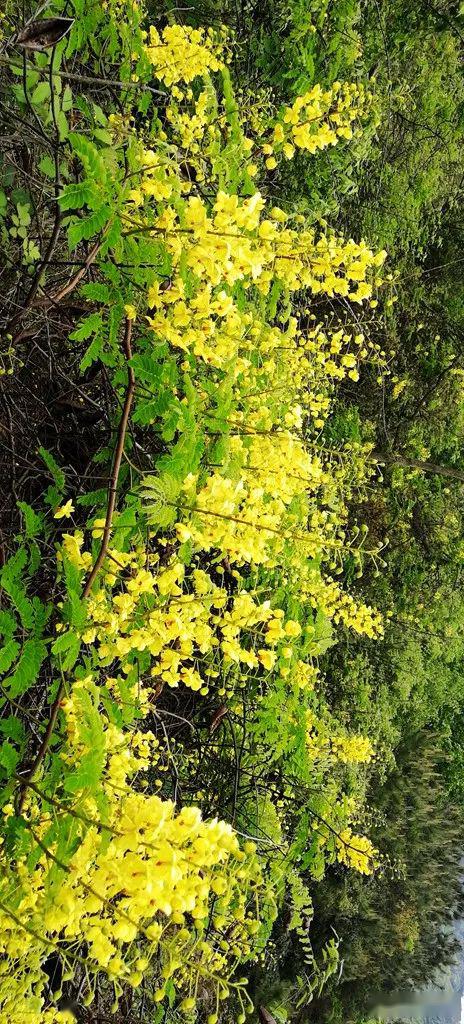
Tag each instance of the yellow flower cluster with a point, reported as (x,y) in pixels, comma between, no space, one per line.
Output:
(190,127)
(328,596)
(236,244)
(246,519)
(178,617)
(323,745)
(257,514)
(317,119)
(28,1009)
(180,53)
(157,183)
(134,869)
(356,852)
(352,749)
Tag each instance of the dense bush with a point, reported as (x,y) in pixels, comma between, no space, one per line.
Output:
(220,405)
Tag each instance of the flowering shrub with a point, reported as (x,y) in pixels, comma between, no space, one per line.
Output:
(208,565)
(126,876)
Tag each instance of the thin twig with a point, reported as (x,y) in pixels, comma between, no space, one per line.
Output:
(93,80)
(46,301)
(53,300)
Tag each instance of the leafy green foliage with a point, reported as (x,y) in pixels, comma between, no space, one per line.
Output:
(242,753)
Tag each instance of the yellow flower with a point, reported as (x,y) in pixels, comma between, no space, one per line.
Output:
(136,196)
(267,659)
(292,628)
(279,133)
(64,511)
(130,311)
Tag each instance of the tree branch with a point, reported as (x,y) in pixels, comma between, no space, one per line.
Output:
(426,467)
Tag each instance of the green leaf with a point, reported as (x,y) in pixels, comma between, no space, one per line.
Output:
(63,127)
(52,497)
(68,644)
(171,423)
(147,367)
(53,468)
(89,156)
(40,94)
(91,354)
(93,498)
(42,614)
(8,624)
(91,764)
(8,654)
(67,99)
(88,226)
(170,992)
(113,237)
(13,728)
(33,522)
(161,494)
(73,576)
(114,323)
(99,114)
(75,609)
(87,327)
(63,642)
(322,638)
(185,552)
(20,600)
(9,757)
(76,195)
(97,292)
(103,135)
(47,166)
(27,669)
(14,566)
